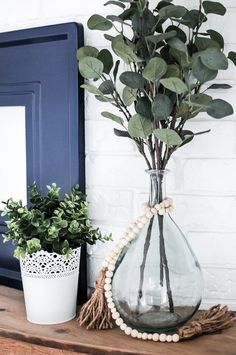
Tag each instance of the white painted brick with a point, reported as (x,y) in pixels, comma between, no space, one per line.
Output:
(23,10)
(113,205)
(210,175)
(213,248)
(55,8)
(220,283)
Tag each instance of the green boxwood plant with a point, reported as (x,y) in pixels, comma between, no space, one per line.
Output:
(50,223)
(169,60)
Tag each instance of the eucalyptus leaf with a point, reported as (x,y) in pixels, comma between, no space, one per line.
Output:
(98,22)
(113,2)
(204,43)
(91,89)
(107,87)
(132,79)
(181,57)
(192,18)
(103,98)
(219,109)
(114,18)
(113,117)
(129,95)
(232,57)
(212,7)
(87,51)
(155,69)
(201,72)
(179,33)
(172,11)
(124,51)
(120,133)
(161,107)
(187,136)
(173,70)
(143,23)
(140,126)
(106,58)
(174,84)
(214,59)
(176,43)
(143,107)
(168,136)
(217,37)
(116,68)
(90,68)
(219,86)
(160,37)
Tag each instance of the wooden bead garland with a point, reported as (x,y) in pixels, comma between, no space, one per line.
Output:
(165,206)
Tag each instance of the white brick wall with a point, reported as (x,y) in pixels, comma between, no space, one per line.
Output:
(203,178)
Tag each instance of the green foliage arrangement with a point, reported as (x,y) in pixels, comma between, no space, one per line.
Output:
(169,60)
(50,223)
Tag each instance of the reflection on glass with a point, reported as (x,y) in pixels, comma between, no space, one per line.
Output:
(12,153)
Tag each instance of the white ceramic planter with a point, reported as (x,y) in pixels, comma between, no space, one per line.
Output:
(50,284)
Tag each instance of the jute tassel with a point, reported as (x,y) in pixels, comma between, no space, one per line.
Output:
(215,319)
(95,314)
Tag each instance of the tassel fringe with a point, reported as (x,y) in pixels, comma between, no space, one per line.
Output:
(215,319)
(95,314)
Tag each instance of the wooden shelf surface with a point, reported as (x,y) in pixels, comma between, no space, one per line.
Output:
(68,338)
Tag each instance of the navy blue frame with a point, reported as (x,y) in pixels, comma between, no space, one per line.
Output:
(38,70)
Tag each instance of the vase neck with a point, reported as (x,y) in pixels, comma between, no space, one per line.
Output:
(157,186)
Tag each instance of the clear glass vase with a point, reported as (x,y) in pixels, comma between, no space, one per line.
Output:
(157,284)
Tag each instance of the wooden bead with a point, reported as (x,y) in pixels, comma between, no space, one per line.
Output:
(166,203)
(175,338)
(154,211)
(134,333)
(124,242)
(171,209)
(162,338)
(135,230)
(140,225)
(157,207)
(108,294)
(113,310)
(169,338)
(131,235)
(104,264)
(119,321)
(107,280)
(128,331)
(149,214)
(144,336)
(109,273)
(107,287)
(115,315)
(111,305)
(111,267)
(139,336)
(162,205)
(155,337)
(123,326)
(109,299)
(144,220)
(149,337)
(161,211)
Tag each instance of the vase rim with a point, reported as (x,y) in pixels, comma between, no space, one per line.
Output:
(157,171)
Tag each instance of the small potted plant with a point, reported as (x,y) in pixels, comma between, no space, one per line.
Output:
(47,236)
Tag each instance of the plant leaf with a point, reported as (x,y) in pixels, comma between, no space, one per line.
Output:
(160,37)
(91,89)
(106,58)
(176,43)
(201,72)
(123,50)
(212,7)
(129,95)
(132,79)
(174,84)
(232,56)
(173,70)
(179,33)
(115,71)
(214,59)
(90,68)
(87,51)
(143,107)
(219,86)
(140,126)
(168,136)
(216,36)
(172,11)
(161,107)
(113,2)
(98,22)
(204,43)
(155,69)
(219,109)
(120,133)
(113,117)
(192,17)
(107,87)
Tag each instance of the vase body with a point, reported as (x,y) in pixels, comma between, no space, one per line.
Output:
(50,283)
(157,284)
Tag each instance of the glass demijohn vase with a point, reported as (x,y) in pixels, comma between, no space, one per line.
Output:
(157,284)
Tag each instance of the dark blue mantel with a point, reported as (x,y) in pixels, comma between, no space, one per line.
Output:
(38,70)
